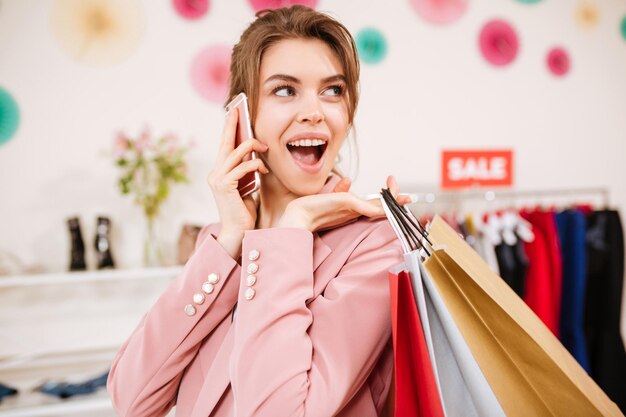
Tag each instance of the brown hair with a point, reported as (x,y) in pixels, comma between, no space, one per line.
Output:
(297,21)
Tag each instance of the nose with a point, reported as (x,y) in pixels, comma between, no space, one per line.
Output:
(311,111)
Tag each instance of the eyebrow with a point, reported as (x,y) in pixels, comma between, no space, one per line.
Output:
(290,78)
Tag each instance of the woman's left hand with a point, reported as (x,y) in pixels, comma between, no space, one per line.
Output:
(321,211)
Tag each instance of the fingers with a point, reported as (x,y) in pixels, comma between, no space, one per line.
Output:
(251,203)
(245,167)
(226,181)
(229,167)
(343,185)
(236,156)
(228,134)
(403,199)
(369,208)
(392,184)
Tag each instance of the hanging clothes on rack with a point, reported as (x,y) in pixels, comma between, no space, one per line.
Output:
(572,226)
(487,237)
(605,244)
(544,275)
(512,259)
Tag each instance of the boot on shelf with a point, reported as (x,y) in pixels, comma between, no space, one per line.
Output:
(103,243)
(77,254)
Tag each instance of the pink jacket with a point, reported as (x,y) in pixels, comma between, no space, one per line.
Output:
(310,335)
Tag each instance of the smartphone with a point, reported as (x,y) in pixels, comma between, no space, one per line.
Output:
(250,182)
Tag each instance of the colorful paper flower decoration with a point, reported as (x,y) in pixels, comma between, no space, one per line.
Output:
(558,61)
(209,72)
(9,116)
(191,9)
(587,14)
(258,5)
(97,32)
(440,12)
(498,43)
(623,27)
(371,45)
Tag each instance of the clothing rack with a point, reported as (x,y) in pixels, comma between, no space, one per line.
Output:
(490,195)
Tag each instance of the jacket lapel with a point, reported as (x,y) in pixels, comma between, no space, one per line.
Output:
(320,251)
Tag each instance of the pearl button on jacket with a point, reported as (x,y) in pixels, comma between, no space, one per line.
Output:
(310,335)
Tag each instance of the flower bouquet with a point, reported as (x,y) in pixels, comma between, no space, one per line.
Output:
(149,166)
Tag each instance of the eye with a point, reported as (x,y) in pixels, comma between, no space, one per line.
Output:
(334,90)
(283,91)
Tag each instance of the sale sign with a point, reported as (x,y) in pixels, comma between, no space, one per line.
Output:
(469,168)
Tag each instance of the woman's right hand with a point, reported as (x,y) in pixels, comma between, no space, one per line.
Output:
(321,211)
(236,214)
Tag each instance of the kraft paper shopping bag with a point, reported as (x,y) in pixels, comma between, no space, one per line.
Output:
(529,370)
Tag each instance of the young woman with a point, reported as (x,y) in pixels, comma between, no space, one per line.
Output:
(283,309)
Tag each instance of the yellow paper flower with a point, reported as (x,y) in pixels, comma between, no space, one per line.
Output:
(98,32)
(587,14)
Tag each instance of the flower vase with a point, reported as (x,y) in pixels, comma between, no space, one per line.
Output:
(152,256)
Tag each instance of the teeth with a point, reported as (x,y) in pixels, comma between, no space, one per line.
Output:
(307,142)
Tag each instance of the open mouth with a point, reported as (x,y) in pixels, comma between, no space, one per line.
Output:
(307,152)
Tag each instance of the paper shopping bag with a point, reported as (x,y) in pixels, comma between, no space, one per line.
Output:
(529,370)
(464,389)
(416,392)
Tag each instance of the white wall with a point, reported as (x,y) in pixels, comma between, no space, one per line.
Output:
(433,91)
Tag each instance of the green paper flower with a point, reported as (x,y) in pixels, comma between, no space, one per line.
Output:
(371,45)
(623,27)
(9,116)
(528,1)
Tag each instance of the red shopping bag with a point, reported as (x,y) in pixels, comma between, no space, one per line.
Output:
(416,391)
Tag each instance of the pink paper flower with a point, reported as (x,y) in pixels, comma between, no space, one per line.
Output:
(558,61)
(498,42)
(258,5)
(191,9)
(440,12)
(209,72)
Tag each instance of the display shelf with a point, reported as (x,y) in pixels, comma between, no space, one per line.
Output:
(68,326)
(89,276)
(43,359)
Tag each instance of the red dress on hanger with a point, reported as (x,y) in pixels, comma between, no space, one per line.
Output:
(543,278)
